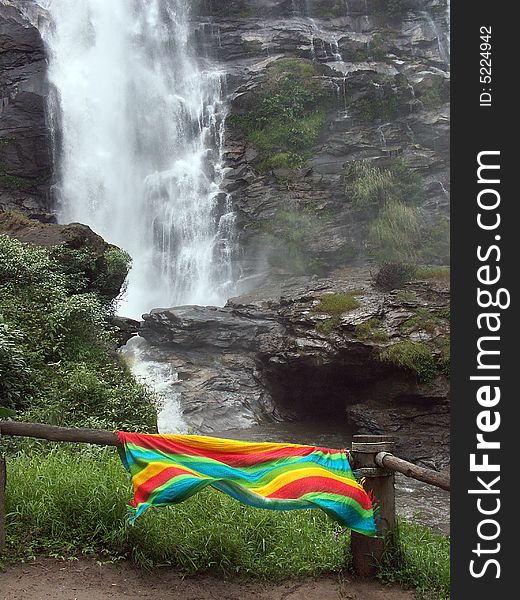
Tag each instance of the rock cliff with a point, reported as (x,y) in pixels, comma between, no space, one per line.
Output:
(382,69)
(25,145)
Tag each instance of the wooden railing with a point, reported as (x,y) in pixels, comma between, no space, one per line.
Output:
(371,457)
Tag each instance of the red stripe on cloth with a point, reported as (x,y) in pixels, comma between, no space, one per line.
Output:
(307,485)
(142,493)
(168,446)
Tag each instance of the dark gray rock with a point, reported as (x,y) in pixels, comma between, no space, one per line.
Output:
(271,355)
(25,147)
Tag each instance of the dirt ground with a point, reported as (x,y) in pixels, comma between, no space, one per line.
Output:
(48,579)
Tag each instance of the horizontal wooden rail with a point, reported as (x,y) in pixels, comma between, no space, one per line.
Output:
(107,438)
(386,460)
(59,434)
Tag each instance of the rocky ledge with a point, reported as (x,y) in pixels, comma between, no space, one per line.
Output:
(311,349)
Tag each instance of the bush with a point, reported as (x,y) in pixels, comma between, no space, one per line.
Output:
(392,276)
(56,359)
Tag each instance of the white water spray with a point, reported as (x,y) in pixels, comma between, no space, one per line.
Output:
(140,152)
(139,128)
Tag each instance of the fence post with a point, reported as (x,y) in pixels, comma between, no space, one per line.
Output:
(366,551)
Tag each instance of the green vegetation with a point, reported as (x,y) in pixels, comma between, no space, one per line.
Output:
(436,95)
(420,559)
(56,347)
(372,188)
(326,326)
(395,234)
(423,320)
(16,183)
(415,356)
(406,296)
(398,231)
(336,304)
(435,241)
(286,114)
(371,331)
(288,235)
(67,504)
(379,104)
(392,276)
(436,273)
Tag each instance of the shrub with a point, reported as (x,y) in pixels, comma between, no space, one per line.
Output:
(392,276)
(56,361)
(415,356)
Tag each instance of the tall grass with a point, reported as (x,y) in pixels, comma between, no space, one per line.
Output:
(65,504)
(420,559)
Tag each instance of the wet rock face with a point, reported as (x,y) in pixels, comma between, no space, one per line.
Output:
(385,67)
(277,354)
(25,149)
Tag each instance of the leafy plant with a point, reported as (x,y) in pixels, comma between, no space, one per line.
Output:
(56,347)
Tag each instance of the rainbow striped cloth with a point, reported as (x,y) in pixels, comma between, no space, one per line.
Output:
(167,469)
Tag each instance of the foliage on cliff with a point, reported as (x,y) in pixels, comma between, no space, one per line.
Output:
(388,197)
(287,113)
(57,360)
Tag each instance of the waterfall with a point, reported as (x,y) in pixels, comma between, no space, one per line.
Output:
(140,145)
(138,125)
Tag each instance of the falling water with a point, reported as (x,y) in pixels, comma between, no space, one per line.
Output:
(139,125)
(141,138)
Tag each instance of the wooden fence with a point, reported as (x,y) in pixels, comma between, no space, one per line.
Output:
(371,456)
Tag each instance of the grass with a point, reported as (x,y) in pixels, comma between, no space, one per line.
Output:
(336,304)
(415,356)
(423,320)
(67,504)
(435,273)
(406,296)
(421,560)
(371,331)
